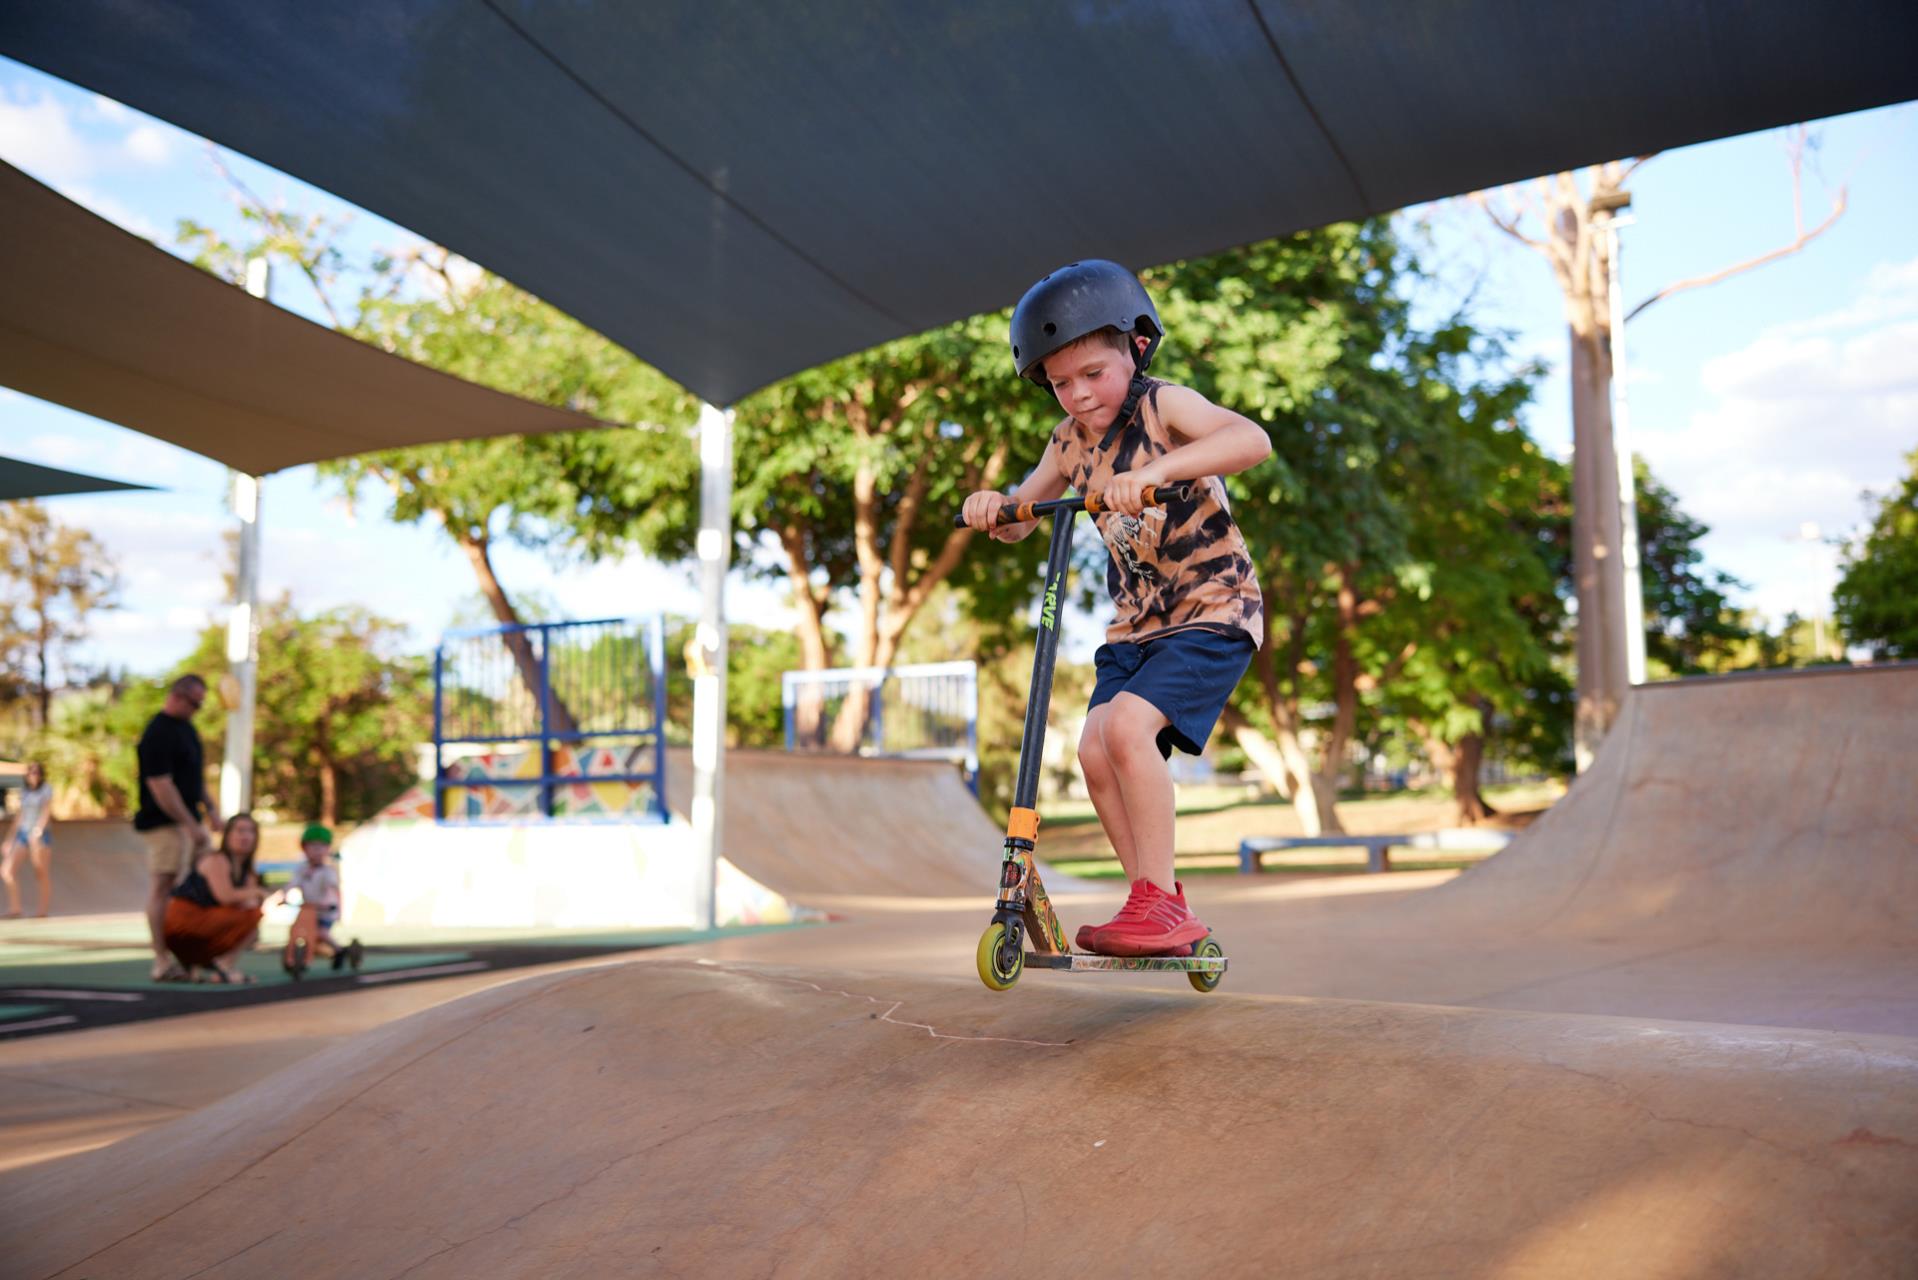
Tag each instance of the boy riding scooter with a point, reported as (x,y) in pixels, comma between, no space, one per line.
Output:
(1188,609)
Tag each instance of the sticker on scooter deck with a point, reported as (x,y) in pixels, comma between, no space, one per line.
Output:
(1078,963)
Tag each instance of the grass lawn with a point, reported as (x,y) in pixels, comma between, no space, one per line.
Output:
(1213,819)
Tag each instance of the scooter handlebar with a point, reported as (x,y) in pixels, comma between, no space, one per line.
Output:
(1020,512)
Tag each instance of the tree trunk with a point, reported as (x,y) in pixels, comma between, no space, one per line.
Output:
(1597,534)
(46,694)
(1261,751)
(1282,704)
(1320,788)
(329,792)
(1468,756)
(850,728)
(479,555)
(890,597)
(813,654)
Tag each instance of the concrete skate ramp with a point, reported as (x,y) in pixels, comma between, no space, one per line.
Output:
(1776,808)
(99,867)
(677,1118)
(821,826)
(1741,851)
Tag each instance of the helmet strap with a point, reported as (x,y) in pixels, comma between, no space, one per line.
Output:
(1135,392)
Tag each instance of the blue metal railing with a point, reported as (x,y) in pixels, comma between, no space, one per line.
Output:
(598,683)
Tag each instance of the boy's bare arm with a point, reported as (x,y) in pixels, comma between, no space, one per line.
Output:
(1218,442)
(1045,483)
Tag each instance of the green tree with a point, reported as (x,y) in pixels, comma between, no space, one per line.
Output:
(53,577)
(1876,601)
(1483,619)
(1366,523)
(1691,626)
(340,709)
(89,746)
(856,468)
(568,494)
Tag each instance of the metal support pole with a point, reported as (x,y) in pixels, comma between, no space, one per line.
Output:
(243,624)
(1634,615)
(242,652)
(709,652)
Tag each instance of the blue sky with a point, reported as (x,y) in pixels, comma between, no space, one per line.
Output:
(1767,402)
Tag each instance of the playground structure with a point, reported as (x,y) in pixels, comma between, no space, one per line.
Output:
(576,813)
(586,699)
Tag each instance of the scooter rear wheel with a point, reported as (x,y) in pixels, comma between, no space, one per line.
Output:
(999,965)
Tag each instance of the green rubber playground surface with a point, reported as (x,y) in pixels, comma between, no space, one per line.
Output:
(78,971)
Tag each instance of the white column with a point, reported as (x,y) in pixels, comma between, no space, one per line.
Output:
(242,652)
(1634,619)
(243,625)
(709,666)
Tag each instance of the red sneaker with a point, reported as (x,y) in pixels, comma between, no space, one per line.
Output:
(1152,922)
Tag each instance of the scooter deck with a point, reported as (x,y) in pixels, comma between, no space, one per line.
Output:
(1078,962)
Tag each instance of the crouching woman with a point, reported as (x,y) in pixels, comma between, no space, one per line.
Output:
(214,912)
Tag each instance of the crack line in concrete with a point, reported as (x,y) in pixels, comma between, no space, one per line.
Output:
(896,1005)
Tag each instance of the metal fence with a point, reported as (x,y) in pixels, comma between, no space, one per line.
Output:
(582,703)
(925,712)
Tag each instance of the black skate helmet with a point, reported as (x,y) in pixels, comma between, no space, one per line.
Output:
(1080,298)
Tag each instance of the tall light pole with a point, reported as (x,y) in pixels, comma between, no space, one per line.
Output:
(241,690)
(1609,207)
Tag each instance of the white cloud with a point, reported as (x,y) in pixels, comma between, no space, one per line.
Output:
(1890,293)
(70,146)
(1801,421)
(37,136)
(150,144)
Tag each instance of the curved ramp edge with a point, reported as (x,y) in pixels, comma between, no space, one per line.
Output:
(684,1117)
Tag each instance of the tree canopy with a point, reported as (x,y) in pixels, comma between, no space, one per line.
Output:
(1877,597)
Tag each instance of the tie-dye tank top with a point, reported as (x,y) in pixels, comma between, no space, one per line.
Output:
(1177,566)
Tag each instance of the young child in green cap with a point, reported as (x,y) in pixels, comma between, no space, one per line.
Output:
(318,881)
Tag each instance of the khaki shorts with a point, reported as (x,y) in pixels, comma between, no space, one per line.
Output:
(168,850)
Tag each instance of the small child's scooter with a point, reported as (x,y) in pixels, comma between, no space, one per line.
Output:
(1023,909)
(304,945)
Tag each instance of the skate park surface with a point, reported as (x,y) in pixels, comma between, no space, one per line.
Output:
(1672,1031)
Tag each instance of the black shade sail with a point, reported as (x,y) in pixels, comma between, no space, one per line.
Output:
(31,480)
(97,319)
(736,190)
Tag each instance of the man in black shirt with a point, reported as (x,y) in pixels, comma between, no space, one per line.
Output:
(172,798)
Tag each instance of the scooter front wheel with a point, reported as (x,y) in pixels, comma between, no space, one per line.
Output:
(1209,949)
(999,964)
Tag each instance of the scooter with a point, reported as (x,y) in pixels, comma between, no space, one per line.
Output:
(303,946)
(1023,911)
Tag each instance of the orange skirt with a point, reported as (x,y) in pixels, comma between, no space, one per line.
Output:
(198,935)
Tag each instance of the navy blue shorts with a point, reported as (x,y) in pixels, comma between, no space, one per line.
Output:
(1188,675)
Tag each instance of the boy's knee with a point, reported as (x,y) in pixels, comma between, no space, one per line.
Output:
(1092,756)
(1130,738)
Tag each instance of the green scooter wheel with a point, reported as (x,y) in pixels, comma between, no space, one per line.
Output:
(999,965)
(1209,949)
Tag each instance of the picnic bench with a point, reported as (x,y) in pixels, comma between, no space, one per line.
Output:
(1377,848)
